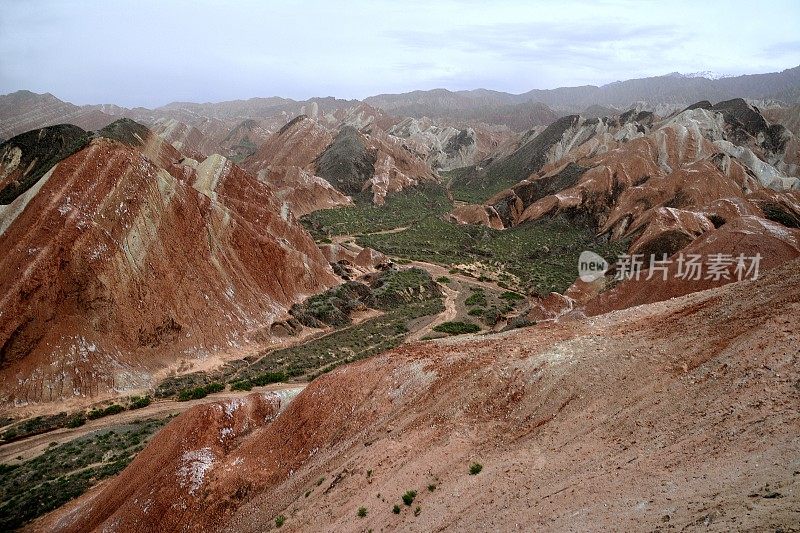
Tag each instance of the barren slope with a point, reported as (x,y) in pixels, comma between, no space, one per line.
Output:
(120,259)
(675,415)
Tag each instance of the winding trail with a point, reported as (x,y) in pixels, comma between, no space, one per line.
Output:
(450,312)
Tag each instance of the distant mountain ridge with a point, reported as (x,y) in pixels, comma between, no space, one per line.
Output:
(672,90)
(23,110)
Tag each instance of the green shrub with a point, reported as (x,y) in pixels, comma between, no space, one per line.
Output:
(112,409)
(431,487)
(197,393)
(76,421)
(138,402)
(417,511)
(215,387)
(280,520)
(362,512)
(443,279)
(396,509)
(242,385)
(475,469)
(457,328)
(475,311)
(268,378)
(408,497)
(192,394)
(512,296)
(476,299)
(491,316)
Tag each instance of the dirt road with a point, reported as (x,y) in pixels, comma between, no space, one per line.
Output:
(35,445)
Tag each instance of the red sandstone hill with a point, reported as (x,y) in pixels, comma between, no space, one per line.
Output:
(316,167)
(25,111)
(711,179)
(125,256)
(676,415)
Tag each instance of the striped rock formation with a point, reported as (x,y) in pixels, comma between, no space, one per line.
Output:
(125,256)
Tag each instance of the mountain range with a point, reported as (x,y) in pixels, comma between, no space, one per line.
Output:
(20,110)
(349,315)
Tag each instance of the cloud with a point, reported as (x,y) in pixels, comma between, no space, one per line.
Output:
(149,52)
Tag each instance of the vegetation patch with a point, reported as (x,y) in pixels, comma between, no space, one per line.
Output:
(139,402)
(334,306)
(400,210)
(477,298)
(457,328)
(197,393)
(34,426)
(512,296)
(63,472)
(533,258)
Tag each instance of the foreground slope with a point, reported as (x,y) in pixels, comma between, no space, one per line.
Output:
(125,256)
(678,414)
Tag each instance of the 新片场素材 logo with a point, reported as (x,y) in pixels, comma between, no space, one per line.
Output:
(591,266)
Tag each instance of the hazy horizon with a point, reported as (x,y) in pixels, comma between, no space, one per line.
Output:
(147,54)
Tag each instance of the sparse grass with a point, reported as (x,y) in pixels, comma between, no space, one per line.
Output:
(408,497)
(66,471)
(475,469)
(417,511)
(475,193)
(431,487)
(457,328)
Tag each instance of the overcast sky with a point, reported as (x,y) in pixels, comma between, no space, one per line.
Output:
(150,53)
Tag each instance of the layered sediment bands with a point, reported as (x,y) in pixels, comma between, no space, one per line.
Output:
(700,384)
(24,111)
(747,236)
(124,260)
(286,162)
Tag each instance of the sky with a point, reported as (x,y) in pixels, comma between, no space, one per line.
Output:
(149,53)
